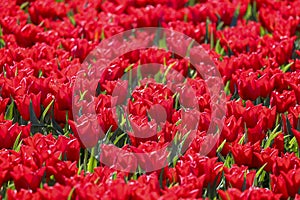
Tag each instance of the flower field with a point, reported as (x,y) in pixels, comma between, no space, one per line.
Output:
(220,120)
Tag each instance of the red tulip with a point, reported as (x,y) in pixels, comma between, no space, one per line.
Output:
(27,178)
(23,103)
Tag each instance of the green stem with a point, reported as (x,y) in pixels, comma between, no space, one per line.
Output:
(85,159)
(91,161)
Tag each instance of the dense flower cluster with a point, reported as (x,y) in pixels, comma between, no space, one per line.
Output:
(255,45)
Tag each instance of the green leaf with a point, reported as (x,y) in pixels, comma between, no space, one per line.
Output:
(262,31)
(206,30)
(24,5)
(167,71)
(161,177)
(235,16)
(118,138)
(286,67)
(128,68)
(185,17)
(248,12)
(71,193)
(2,43)
(33,117)
(289,127)
(92,161)
(245,182)
(40,73)
(102,34)
(108,135)
(188,52)
(220,25)
(258,173)
(177,104)
(241,141)
(192,2)
(17,143)
(71,18)
(272,136)
(46,110)
(9,112)
(228,161)
(1,33)
(219,149)
(212,40)
(56,127)
(82,94)
(254,11)
(79,169)
(162,43)
(114,176)
(227,88)
(218,47)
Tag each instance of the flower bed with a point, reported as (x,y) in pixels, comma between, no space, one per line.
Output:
(47,141)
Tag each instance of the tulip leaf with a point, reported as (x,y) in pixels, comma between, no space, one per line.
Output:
(17,143)
(71,18)
(56,127)
(82,94)
(267,101)
(79,169)
(227,88)
(244,186)
(220,25)
(162,43)
(177,104)
(71,193)
(114,176)
(212,40)
(219,149)
(46,110)
(262,31)
(258,173)
(218,48)
(118,138)
(1,33)
(242,140)
(9,112)
(248,12)
(292,145)
(92,161)
(108,135)
(178,122)
(167,71)
(161,177)
(235,16)
(128,68)
(254,11)
(286,67)
(289,127)
(188,51)
(2,43)
(228,161)
(24,5)
(36,124)
(272,136)
(206,30)
(192,2)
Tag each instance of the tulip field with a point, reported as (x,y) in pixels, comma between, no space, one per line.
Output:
(149,99)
